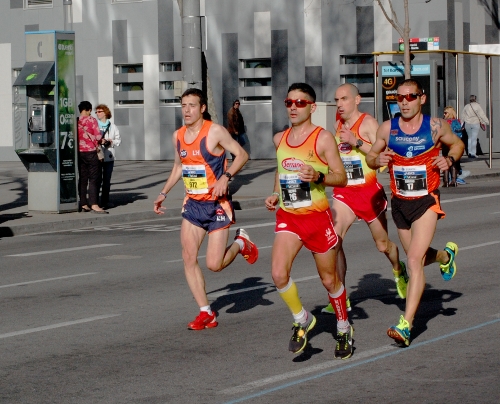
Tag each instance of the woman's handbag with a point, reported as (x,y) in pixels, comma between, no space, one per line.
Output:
(482,125)
(100,153)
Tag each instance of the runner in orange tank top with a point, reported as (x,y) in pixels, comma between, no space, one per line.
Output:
(363,198)
(200,160)
(414,165)
(307,162)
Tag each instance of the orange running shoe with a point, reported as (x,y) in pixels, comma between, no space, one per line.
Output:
(250,251)
(203,320)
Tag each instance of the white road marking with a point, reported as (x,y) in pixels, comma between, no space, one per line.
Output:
(468,198)
(203,256)
(59,325)
(45,280)
(87,247)
(304,371)
(479,245)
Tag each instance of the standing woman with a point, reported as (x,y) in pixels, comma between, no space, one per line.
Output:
(89,167)
(473,116)
(110,139)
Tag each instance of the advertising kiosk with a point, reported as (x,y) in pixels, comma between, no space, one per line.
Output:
(49,148)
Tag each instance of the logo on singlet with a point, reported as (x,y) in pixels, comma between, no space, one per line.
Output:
(345,147)
(183,153)
(310,156)
(292,164)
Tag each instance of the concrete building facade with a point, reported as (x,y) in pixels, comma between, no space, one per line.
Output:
(129,56)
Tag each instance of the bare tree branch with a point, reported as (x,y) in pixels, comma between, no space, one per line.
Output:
(394,20)
(404,32)
(491,7)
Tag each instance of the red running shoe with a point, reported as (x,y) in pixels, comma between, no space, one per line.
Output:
(250,251)
(204,320)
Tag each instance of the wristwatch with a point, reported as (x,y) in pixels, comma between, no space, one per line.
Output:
(321,178)
(228,175)
(359,143)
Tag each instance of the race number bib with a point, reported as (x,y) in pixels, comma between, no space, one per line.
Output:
(295,193)
(411,180)
(195,179)
(353,169)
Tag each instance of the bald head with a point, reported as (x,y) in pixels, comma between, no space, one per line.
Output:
(351,88)
(347,99)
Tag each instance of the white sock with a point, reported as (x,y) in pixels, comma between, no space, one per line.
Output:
(207,309)
(240,243)
(343,326)
(301,317)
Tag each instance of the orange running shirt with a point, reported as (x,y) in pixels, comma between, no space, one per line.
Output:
(358,172)
(200,168)
(411,169)
(300,197)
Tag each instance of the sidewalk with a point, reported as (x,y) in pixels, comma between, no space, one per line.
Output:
(136,184)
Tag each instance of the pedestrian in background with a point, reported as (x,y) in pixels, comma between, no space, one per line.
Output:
(474,118)
(89,167)
(110,138)
(450,115)
(236,124)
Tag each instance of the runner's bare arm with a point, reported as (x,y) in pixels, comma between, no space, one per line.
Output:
(327,149)
(173,178)
(272,200)
(379,155)
(444,135)
(218,140)
(368,130)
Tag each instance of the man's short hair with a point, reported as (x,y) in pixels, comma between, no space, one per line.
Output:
(412,82)
(305,88)
(85,106)
(198,93)
(472,98)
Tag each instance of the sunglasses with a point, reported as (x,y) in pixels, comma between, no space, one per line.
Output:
(409,97)
(299,103)
(99,111)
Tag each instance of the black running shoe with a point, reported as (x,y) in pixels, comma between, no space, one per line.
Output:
(344,348)
(299,338)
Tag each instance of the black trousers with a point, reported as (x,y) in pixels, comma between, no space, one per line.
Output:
(107,171)
(89,168)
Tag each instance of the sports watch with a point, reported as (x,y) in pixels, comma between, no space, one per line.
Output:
(359,143)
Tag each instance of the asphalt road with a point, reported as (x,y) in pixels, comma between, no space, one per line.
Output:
(99,316)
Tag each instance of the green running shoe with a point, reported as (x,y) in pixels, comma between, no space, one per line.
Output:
(401,332)
(401,280)
(449,269)
(299,338)
(344,348)
(330,310)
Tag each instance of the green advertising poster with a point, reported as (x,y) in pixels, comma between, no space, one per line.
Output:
(66,119)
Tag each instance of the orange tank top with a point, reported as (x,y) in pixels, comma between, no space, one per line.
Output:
(200,168)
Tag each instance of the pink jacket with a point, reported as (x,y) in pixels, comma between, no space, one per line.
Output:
(88,134)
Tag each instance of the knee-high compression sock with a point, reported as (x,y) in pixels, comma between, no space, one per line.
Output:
(290,296)
(338,302)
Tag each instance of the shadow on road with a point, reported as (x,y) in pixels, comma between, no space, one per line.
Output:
(244,300)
